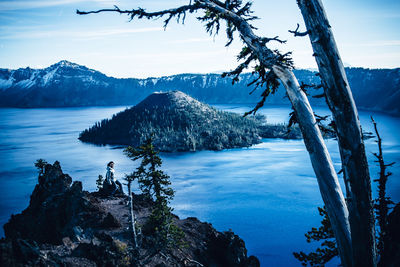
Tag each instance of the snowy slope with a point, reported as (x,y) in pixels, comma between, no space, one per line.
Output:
(69,84)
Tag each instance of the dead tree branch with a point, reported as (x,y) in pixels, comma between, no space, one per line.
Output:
(382,203)
(296,32)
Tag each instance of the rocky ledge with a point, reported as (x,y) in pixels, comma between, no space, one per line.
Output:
(66,226)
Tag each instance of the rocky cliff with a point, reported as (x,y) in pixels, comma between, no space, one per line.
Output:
(66,226)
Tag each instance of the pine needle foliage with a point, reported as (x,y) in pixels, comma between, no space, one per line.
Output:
(40,164)
(328,249)
(236,17)
(155,184)
(99,182)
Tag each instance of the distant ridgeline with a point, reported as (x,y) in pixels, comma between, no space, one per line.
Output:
(68,84)
(178,122)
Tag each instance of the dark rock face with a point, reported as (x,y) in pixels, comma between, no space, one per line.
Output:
(65,226)
(110,189)
(53,209)
(391,252)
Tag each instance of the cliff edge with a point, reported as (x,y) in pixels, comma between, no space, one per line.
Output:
(66,226)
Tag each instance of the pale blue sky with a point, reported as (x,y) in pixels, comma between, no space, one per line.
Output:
(41,32)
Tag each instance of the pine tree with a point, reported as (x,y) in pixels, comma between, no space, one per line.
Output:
(328,247)
(99,182)
(154,183)
(40,164)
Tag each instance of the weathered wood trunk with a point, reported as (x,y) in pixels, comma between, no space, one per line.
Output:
(341,103)
(327,178)
(133,218)
(321,161)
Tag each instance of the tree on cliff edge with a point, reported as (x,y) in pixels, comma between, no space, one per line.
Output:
(356,247)
(155,184)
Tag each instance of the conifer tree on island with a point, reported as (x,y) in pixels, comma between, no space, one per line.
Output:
(352,223)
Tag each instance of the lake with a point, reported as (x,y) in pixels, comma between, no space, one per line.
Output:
(267,193)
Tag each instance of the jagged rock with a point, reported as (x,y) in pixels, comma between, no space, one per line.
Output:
(110,221)
(229,248)
(53,209)
(19,252)
(110,189)
(65,226)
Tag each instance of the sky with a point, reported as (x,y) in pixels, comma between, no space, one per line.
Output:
(39,33)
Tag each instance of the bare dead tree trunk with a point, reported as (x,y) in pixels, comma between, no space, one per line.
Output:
(341,103)
(321,161)
(327,178)
(132,217)
(382,203)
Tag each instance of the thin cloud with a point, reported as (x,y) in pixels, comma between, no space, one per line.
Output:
(21,5)
(191,40)
(26,4)
(375,44)
(180,56)
(77,35)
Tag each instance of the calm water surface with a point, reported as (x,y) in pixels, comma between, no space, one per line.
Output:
(267,193)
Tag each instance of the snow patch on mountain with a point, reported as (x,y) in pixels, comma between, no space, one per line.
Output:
(204,80)
(48,76)
(155,81)
(5,84)
(25,84)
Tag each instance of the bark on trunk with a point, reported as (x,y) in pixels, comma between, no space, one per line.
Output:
(327,179)
(351,146)
(133,218)
(321,161)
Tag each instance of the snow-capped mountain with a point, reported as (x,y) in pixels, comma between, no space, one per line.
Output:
(55,74)
(69,84)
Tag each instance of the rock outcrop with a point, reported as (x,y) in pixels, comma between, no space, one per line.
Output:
(66,226)
(391,252)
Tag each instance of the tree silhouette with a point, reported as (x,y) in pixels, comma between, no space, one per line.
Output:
(154,183)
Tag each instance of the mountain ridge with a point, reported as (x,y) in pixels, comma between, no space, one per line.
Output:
(67,84)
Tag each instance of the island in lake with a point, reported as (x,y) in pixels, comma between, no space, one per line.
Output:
(182,123)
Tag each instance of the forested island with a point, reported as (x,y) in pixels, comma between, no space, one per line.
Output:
(181,123)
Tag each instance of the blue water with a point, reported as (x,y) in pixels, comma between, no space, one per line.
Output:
(267,193)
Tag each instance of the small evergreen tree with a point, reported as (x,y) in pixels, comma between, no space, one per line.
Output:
(99,182)
(154,183)
(40,164)
(328,249)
